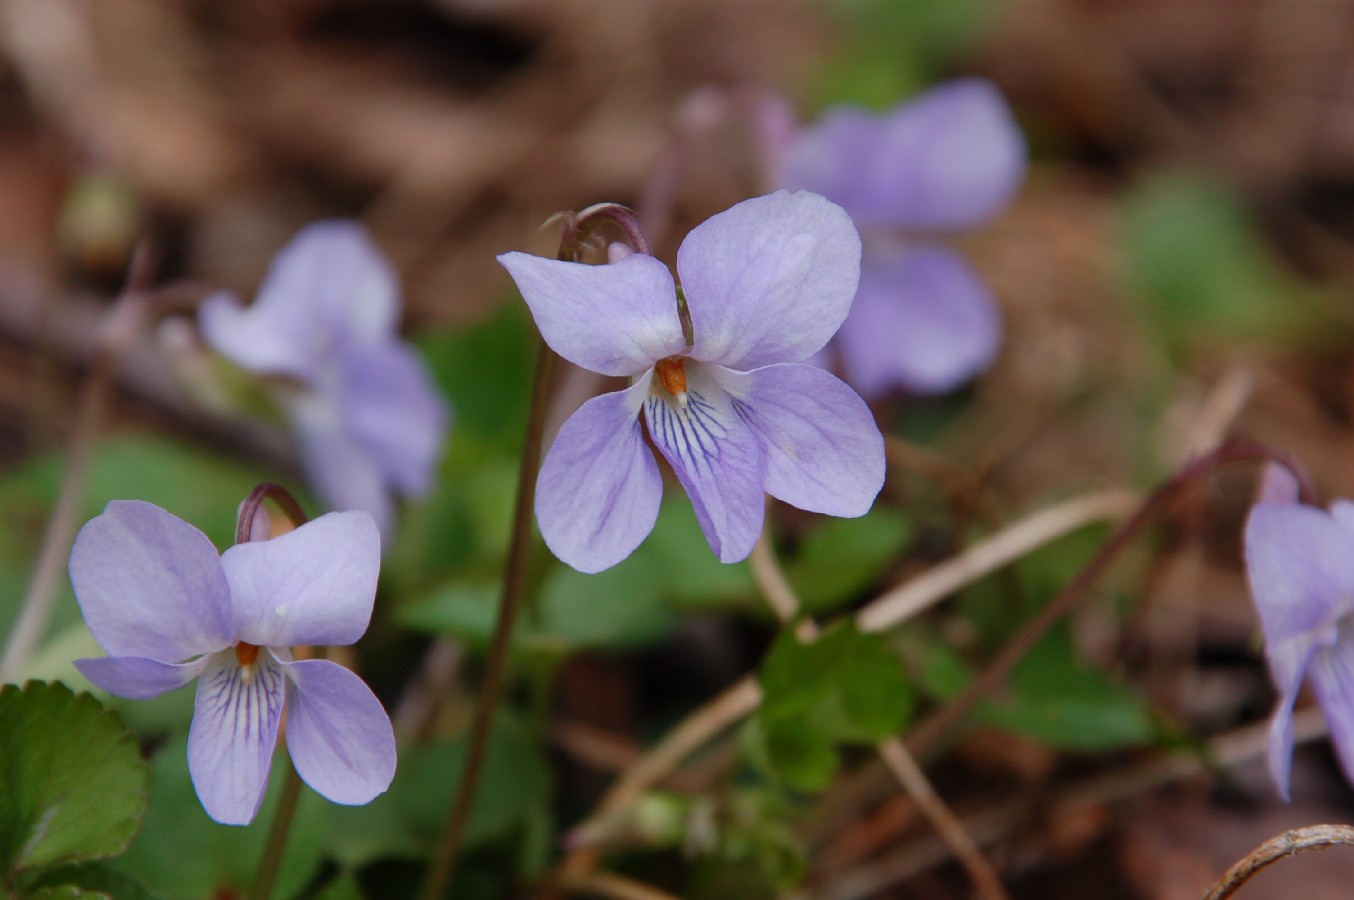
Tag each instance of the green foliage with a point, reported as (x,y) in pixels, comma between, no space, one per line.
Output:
(891,50)
(72,781)
(180,852)
(406,820)
(1195,258)
(85,880)
(844,688)
(842,557)
(1052,697)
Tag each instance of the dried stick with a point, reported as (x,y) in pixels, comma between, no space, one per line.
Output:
(1290,843)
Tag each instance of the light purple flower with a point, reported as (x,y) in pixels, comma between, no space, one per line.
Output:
(1300,561)
(943,162)
(766,282)
(324,325)
(167,609)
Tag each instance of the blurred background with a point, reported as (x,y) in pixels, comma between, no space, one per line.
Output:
(1179,264)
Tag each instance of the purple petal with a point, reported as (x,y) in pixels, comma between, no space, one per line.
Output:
(949,159)
(233,735)
(717,458)
(149,584)
(824,451)
(137,678)
(1332,672)
(337,464)
(395,413)
(616,319)
(1277,485)
(599,490)
(328,288)
(314,585)
(770,279)
(1301,571)
(923,320)
(1287,664)
(338,734)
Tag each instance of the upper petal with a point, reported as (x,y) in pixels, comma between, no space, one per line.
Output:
(328,288)
(770,279)
(394,411)
(948,159)
(824,451)
(338,734)
(1301,571)
(1277,485)
(337,463)
(616,319)
(717,458)
(233,735)
(923,320)
(313,585)
(599,489)
(137,678)
(149,584)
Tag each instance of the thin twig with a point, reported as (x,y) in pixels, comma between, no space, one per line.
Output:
(1290,843)
(616,887)
(278,830)
(118,328)
(496,665)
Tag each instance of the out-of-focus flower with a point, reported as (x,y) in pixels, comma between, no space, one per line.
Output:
(166,608)
(766,283)
(945,161)
(324,328)
(1300,561)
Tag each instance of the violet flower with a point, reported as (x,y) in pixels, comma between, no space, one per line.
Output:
(766,283)
(1300,563)
(366,415)
(945,161)
(167,608)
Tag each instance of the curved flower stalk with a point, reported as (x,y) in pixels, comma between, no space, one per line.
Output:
(367,417)
(1300,563)
(735,413)
(945,161)
(167,609)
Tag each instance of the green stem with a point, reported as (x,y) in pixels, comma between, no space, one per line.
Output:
(496,665)
(278,831)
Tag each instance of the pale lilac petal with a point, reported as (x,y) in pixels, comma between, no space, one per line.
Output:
(616,319)
(717,458)
(314,585)
(923,320)
(824,451)
(1287,665)
(1332,671)
(770,279)
(1301,570)
(1342,511)
(137,678)
(599,489)
(149,584)
(949,159)
(1277,485)
(395,413)
(336,462)
(338,734)
(265,342)
(234,733)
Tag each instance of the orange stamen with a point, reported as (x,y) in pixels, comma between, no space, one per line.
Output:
(672,372)
(246,654)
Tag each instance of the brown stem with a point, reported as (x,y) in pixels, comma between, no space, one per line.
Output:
(244,524)
(1290,843)
(278,831)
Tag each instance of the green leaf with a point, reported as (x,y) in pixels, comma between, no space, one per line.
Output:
(846,687)
(842,557)
(72,781)
(181,852)
(86,880)
(406,820)
(621,607)
(687,569)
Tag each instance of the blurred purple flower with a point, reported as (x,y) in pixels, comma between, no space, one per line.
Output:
(167,608)
(766,282)
(946,161)
(1300,562)
(365,412)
